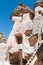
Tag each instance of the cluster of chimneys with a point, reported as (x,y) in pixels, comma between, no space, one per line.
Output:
(22,9)
(19,11)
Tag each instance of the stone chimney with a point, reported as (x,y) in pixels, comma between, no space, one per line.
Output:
(20,10)
(39,3)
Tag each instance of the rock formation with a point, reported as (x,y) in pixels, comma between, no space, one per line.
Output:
(26,35)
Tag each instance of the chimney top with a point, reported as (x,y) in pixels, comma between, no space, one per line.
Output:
(20,10)
(39,3)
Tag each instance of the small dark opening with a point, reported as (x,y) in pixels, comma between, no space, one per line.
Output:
(16,62)
(39,12)
(24,61)
(42,14)
(4,40)
(41,5)
(19,38)
(42,36)
(28,32)
(42,60)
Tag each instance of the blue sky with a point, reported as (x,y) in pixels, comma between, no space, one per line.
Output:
(6,7)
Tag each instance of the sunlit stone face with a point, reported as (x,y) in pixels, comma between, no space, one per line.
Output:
(26,22)
(17,24)
(3,51)
(26,16)
(16,18)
